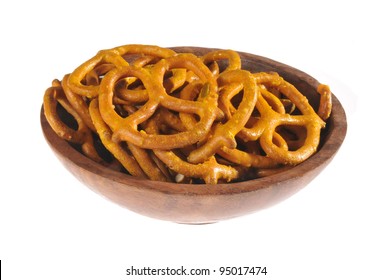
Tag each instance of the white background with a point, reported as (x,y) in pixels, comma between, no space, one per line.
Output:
(53,227)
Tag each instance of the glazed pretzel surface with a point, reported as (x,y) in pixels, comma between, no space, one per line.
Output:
(179,117)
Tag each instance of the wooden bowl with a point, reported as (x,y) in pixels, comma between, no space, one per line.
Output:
(197,204)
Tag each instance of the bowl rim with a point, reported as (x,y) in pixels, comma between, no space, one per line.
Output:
(334,139)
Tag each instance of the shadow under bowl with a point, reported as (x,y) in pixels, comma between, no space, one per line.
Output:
(198,203)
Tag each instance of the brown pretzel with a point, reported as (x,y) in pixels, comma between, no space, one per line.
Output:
(223,134)
(233,58)
(116,57)
(210,170)
(325,107)
(81,134)
(308,119)
(126,129)
(105,134)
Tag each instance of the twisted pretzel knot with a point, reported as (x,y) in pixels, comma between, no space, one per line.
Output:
(163,115)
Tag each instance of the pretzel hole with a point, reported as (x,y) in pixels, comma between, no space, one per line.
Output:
(288,104)
(218,65)
(140,59)
(132,57)
(294,136)
(129,83)
(101,149)
(121,111)
(129,91)
(66,117)
(237,99)
(231,107)
(251,147)
(168,84)
(95,76)
(165,129)
(252,120)
(195,118)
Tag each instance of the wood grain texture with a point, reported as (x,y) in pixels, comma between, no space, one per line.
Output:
(198,204)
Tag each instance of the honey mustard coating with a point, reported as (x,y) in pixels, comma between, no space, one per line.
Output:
(178,117)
